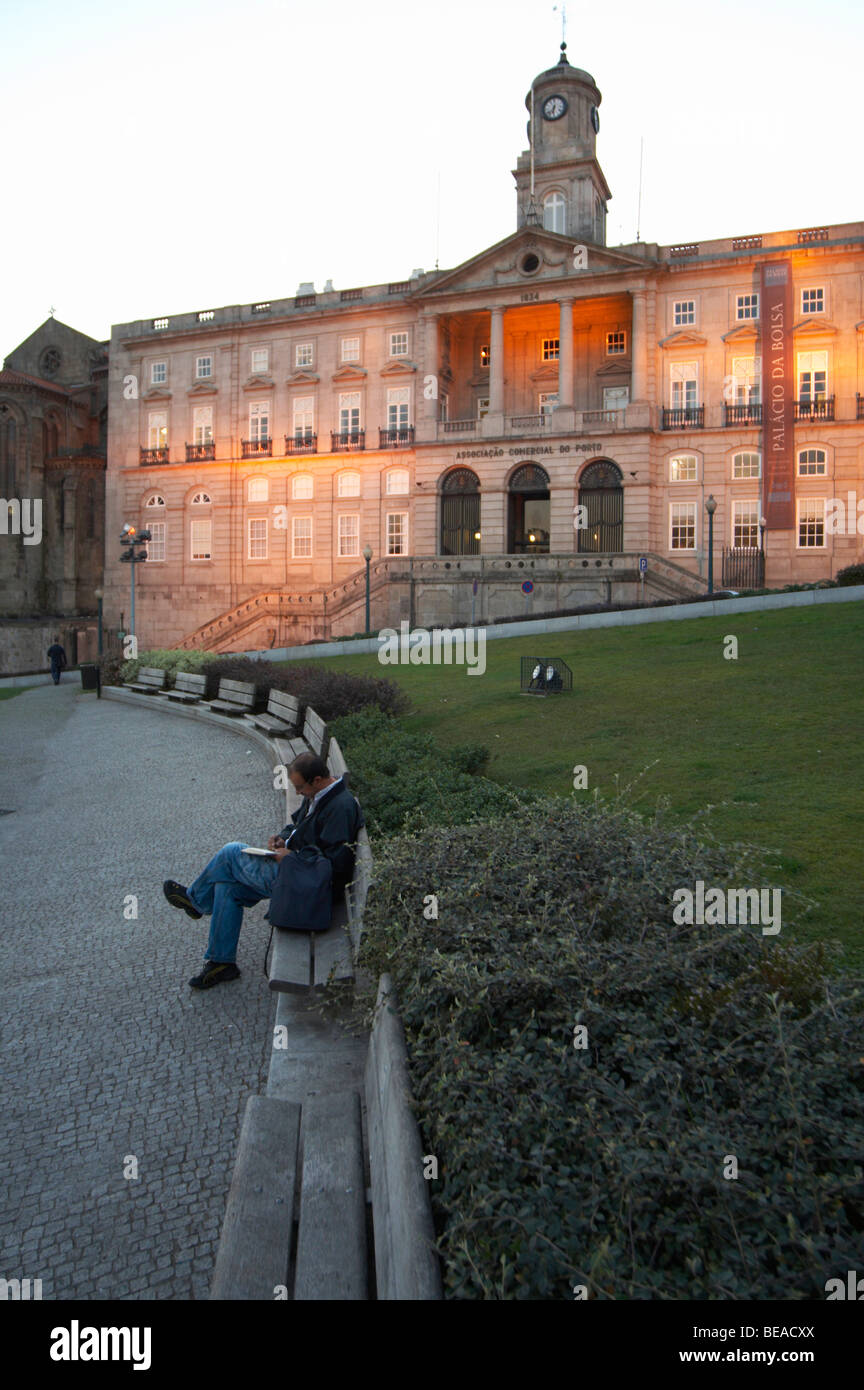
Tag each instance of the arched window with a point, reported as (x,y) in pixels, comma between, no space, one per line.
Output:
(257,490)
(683,468)
(348,485)
(156,526)
(554,212)
(200,499)
(8,446)
(598,220)
(746,465)
(396,481)
(302,487)
(601,493)
(155,501)
(812,463)
(460,513)
(528,511)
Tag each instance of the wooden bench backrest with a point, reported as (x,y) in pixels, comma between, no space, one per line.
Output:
(150,675)
(237,692)
(315,733)
(190,682)
(284,706)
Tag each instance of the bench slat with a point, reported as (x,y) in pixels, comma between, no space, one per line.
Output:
(315,733)
(331,1239)
(255,1246)
(291,963)
(332,948)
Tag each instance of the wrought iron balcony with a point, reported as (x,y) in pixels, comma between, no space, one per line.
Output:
(459,426)
(744,414)
(196,453)
(347,441)
(256,448)
(301,444)
(859,413)
(401,437)
(818,408)
(684,417)
(154,455)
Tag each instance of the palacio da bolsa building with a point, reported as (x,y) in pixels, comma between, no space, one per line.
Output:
(554,410)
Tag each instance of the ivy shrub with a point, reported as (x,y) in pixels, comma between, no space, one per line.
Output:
(331,693)
(401,778)
(115,669)
(852,574)
(609,1166)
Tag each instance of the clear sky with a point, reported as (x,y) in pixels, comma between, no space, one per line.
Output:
(187,154)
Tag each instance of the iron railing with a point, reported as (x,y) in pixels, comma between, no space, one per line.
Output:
(301,444)
(256,448)
(820,408)
(744,414)
(400,437)
(342,441)
(743,568)
(154,455)
(196,453)
(684,417)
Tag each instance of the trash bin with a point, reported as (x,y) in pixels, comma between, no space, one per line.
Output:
(90,677)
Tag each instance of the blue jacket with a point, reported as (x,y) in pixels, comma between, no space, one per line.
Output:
(332,827)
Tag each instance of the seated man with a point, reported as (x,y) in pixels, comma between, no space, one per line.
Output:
(329,817)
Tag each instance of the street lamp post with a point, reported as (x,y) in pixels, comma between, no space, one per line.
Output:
(711,507)
(99,597)
(762,524)
(367,556)
(132,537)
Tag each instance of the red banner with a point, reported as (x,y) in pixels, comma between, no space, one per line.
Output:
(778,397)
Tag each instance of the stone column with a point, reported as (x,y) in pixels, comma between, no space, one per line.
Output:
(565,354)
(431,369)
(639,348)
(496,366)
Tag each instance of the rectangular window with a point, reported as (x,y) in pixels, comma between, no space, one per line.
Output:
(684,468)
(551,349)
(348,485)
(547,401)
(745,525)
(396,481)
(443,406)
(747,306)
(485,357)
(616,397)
(813,301)
(398,407)
(349,412)
(259,421)
(747,375)
(684,312)
(349,535)
(303,355)
(682,526)
(157,430)
(811,523)
(158,373)
(156,547)
(202,424)
(616,343)
(201,540)
(746,466)
(683,381)
(203,367)
(257,538)
(304,417)
(812,376)
(397,533)
(301,537)
(482,407)
(811,463)
(350,349)
(398,344)
(260,361)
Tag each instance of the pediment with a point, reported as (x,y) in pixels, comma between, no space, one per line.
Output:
(349,373)
(548,372)
(303,379)
(399,368)
(744,333)
(813,324)
(202,389)
(156,393)
(501,264)
(258,383)
(615,367)
(685,337)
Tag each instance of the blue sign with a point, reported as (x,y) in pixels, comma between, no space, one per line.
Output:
(643,563)
(527,586)
(474,587)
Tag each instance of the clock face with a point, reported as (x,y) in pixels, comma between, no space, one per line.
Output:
(595,119)
(554,108)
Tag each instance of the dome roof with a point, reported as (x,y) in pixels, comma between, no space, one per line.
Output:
(563,69)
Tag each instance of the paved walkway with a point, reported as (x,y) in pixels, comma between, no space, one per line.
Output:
(105,1053)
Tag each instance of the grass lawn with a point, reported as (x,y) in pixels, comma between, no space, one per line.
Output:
(7,691)
(771,741)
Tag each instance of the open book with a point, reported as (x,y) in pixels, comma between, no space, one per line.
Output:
(267,853)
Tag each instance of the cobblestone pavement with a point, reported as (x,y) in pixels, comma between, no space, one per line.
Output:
(107,1055)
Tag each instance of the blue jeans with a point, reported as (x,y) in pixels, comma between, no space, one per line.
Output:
(231,881)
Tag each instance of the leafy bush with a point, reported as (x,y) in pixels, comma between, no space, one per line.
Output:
(852,574)
(604,1166)
(169,659)
(402,779)
(331,693)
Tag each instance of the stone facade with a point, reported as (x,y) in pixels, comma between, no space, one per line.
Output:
(552,409)
(53,436)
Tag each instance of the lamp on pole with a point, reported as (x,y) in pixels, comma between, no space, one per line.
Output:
(367,556)
(131,537)
(711,507)
(100,594)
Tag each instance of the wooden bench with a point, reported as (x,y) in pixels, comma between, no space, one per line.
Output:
(304,961)
(150,681)
(235,698)
(188,688)
(331,1259)
(315,733)
(283,713)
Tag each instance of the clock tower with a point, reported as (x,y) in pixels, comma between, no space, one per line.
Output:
(570,193)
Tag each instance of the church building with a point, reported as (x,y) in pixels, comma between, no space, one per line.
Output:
(526,432)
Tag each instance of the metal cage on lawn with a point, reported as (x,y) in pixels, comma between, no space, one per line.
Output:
(545,675)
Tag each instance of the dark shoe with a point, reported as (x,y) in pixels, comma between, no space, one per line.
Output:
(215,972)
(178,897)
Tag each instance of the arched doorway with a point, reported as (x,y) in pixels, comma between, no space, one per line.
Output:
(601,492)
(528,511)
(460,513)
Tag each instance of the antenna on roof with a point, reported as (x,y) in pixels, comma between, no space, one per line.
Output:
(438,220)
(639,206)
